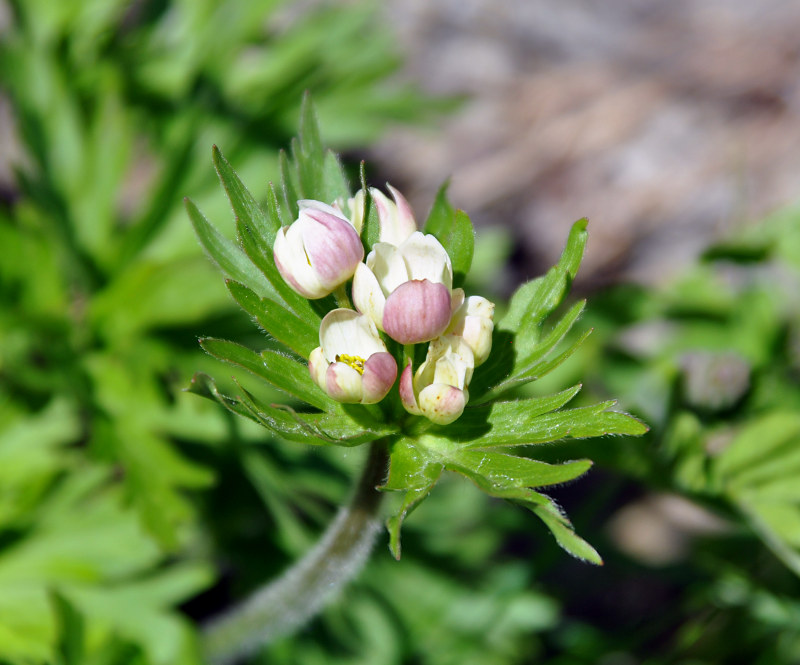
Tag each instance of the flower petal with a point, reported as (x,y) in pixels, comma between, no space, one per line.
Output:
(397,218)
(333,247)
(317,367)
(426,259)
(380,372)
(388,266)
(442,403)
(346,332)
(367,294)
(293,264)
(343,383)
(417,311)
(407,395)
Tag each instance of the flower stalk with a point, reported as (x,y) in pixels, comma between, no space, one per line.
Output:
(287,603)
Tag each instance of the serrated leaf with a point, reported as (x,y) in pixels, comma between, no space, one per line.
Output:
(410,469)
(534,301)
(535,363)
(503,470)
(565,534)
(300,335)
(479,420)
(411,499)
(245,208)
(281,371)
(510,425)
(330,428)
(410,466)
(309,428)
(231,260)
(371,231)
(204,386)
(334,183)
(555,520)
(288,188)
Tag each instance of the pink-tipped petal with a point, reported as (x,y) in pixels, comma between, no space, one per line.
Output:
(380,372)
(417,311)
(333,246)
(343,383)
(407,391)
(318,367)
(292,263)
(405,214)
(367,294)
(441,403)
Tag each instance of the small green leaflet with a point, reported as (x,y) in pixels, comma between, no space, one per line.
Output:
(453,229)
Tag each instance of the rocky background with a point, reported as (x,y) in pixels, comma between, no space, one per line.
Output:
(666,123)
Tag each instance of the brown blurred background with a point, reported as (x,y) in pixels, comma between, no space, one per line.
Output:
(666,123)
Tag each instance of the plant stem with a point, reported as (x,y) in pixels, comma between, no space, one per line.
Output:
(287,603)
(341,297)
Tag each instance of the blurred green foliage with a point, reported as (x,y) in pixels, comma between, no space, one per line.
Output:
(129,510)
(115,106)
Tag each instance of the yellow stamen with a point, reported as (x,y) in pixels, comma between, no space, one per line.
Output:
(355,362)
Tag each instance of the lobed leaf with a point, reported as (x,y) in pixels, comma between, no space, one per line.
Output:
(503,470)
(509,424)
(245,208)
(300,335)
(281,371)
(453,229)
(231,260)
(537,362)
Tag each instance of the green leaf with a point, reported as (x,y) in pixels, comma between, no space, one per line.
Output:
(479,420)
(509,424)
(350,428)
(281,371)
(536,363)
(288,186)
(245,208)
(371,231)
(453,229)
(411,470)
(534,301)
(565,534)
(300,335)
(204,386)
(70,630)
(232,260)
(334,183)
(502,470)
(411,499)
(330,428)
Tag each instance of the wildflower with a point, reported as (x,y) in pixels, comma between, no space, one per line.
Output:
(319,251)
(472,321)
(438,389)
(352,364)
(396,217)
(405,289)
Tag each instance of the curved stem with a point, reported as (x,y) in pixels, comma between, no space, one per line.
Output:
(287,603)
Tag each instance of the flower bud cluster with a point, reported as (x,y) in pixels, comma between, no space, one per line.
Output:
(404,289)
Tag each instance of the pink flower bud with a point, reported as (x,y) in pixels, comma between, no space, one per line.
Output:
(472,321)
(405,290)
(396,218)
(319,251)
(352,364)
(438,389)
(417,311)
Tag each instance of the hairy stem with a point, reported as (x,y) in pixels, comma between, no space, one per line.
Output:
(287,603)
